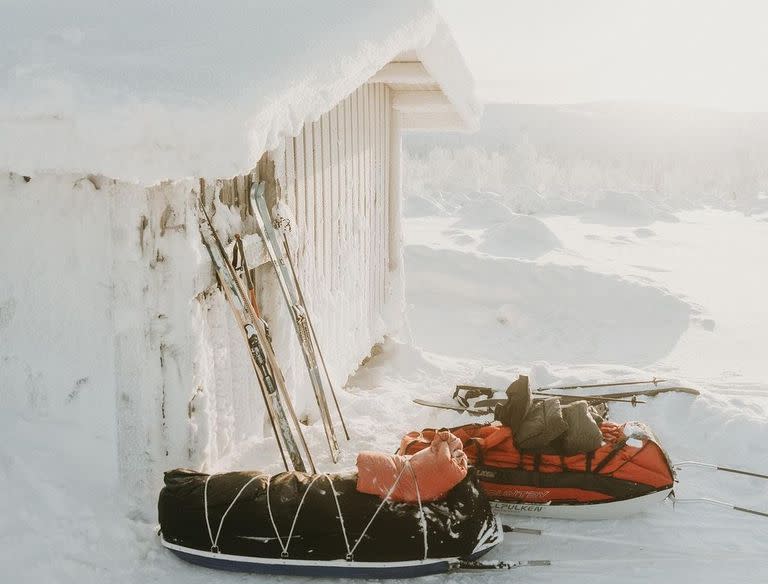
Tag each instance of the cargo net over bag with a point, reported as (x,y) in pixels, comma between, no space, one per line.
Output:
(296,515)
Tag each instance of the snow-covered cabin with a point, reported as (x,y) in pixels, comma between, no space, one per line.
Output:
(113,122)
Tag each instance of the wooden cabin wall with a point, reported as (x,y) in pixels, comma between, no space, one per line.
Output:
(334,176)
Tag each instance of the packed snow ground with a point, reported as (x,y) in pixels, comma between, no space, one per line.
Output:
(619,291)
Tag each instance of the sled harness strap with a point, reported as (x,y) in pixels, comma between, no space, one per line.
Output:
(611,455)
(215,540)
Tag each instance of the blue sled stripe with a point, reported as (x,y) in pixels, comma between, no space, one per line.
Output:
(317,568)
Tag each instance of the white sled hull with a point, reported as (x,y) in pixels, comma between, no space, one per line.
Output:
(582,512)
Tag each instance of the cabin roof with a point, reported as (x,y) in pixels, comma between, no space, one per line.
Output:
(167,90)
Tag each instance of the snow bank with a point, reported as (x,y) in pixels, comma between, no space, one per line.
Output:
(482,209)
(628,209)
(522,236)
(172,90)
(518,311)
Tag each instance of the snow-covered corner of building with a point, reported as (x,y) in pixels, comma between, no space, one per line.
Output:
(174,90)
(444,61)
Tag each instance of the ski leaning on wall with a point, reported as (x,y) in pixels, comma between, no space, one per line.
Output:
(262,355)
(299,314)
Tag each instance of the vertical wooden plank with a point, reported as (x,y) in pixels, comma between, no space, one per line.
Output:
(376,189)
(269,173)
(343,190)
(299,191)
(360,219)
(325,125)
(347,186)
(355,256)
(317,193)
(382,191)
(369,198)
(309,194)
(377,221)
(333,116)
(385,193)
(288,178)
(237,186)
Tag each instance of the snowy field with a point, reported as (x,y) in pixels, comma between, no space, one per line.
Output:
(621,290)
(611,292)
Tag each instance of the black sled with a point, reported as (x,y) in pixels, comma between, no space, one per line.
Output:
(298,524)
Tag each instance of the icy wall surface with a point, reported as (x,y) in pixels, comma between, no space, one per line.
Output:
(109,324)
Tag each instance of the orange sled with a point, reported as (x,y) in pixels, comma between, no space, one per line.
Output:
(627,474)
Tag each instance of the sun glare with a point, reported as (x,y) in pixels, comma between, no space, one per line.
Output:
(704,54)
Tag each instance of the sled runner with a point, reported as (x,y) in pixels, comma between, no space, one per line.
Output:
(338,568)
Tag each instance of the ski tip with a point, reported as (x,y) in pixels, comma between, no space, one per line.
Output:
(257,189)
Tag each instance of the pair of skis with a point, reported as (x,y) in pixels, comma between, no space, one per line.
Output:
(279,253)
(238,287)
(255,333)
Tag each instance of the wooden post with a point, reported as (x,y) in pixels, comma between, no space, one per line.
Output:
(266,168)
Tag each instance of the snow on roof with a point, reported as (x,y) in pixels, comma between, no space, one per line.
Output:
(165,90)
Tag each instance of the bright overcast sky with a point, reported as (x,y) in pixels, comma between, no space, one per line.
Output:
(707,52)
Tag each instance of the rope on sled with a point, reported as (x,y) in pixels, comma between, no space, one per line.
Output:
(284,547)
(214,541)
(407,465)
(423,517)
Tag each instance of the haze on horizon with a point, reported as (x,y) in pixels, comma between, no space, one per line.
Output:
(707,54)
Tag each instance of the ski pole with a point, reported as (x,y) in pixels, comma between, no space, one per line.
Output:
(484,389)
(716,467)
(589,398)
(632,401)
(525,530)
(654,381)
(675,500)
(471,565)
